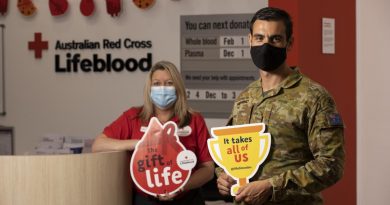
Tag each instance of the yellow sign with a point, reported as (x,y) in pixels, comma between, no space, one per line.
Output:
(239,150)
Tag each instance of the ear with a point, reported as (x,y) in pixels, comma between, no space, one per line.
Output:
(250,39)
(290,43)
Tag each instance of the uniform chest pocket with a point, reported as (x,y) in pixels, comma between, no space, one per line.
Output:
(262,113)
(242,113)
(284,114)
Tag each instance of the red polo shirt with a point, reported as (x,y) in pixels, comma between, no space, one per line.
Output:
(193,136)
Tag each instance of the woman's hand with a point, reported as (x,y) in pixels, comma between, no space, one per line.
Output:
(168,197)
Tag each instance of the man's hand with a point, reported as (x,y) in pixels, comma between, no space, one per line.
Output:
(224,183)
(257,192)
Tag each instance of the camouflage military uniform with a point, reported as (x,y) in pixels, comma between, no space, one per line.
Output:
(307,149)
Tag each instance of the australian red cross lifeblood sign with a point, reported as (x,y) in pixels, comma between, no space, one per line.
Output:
(160,164)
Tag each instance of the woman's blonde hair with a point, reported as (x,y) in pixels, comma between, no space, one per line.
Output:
(181,109)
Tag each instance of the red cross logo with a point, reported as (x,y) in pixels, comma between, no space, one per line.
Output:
(38,45)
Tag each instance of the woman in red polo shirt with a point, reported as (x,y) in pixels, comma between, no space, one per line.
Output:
(164,98)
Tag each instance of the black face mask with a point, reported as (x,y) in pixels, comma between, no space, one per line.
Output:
(267,57)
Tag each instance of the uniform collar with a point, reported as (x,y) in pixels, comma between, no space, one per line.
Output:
(292,79)
(287,83)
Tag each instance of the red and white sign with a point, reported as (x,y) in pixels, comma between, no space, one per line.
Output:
(160,163)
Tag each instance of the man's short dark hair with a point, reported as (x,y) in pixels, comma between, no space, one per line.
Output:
(274,14)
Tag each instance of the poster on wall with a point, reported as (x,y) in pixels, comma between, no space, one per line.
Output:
(328,36)
(2,72)
(215,61)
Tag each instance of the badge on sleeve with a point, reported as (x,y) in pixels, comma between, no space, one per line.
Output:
(335,120)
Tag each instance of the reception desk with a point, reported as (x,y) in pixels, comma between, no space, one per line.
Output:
(77,179)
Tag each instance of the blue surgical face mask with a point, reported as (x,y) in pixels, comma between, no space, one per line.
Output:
(163,96)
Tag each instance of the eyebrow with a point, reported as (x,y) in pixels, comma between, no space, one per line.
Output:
(270,37)
(258,35)
(157,80)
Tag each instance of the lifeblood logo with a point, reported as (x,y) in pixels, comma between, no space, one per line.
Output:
(76,62)
(160,164)
(96,62)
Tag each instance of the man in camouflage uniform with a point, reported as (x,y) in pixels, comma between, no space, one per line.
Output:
(307,148)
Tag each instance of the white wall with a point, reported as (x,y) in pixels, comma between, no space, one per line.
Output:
(373,102)
(40,101)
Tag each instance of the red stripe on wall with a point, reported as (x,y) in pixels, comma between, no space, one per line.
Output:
(336,72)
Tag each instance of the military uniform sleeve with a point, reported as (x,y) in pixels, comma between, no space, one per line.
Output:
(325,135)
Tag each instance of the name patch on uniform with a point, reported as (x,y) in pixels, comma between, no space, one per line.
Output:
(335,120)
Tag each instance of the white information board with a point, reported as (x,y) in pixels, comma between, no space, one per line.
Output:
(328,35)
(215,61)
